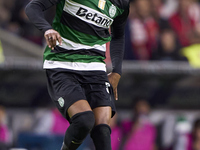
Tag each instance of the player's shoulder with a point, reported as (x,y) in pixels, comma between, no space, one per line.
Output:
(123,4)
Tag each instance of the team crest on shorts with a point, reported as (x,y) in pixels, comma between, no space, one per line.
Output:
(112,10)
(61,102)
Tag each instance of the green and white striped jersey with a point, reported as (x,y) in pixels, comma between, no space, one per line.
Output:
(84,28)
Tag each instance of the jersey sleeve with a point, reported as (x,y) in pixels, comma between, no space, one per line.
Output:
(35,12)
(117,42)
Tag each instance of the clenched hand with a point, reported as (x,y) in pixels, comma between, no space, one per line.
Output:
(51,37)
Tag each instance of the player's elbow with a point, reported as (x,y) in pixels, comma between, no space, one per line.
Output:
(27,9)
(33,7)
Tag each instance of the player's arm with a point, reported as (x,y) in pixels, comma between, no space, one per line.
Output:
(35,12)
(117,49)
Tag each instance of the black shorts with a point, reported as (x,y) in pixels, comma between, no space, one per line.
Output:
(66,87)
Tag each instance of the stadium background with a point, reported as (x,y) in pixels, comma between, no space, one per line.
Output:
(165,74)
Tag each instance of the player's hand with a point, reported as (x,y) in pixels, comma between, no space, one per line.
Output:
(51,37)
(114,80)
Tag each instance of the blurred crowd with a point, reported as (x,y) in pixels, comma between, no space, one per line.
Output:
(160,29)
(14,19)
(44,130)
(156,29)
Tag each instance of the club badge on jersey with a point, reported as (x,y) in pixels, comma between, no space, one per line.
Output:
(112,11)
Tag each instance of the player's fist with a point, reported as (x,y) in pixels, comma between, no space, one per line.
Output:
(51,37)
(114,80)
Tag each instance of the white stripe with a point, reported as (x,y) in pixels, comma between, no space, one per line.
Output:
(94,66)
(73,7)
(70,45)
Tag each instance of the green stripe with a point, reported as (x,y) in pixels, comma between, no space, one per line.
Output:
(81,38)
(48,55)
(59,10)
(94,5)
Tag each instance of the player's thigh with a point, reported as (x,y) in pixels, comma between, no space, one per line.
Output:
(102,115)
(66,92)
(78,107)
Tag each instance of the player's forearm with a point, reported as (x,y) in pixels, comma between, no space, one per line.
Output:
(117,42)
(117,54)
(34,11)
